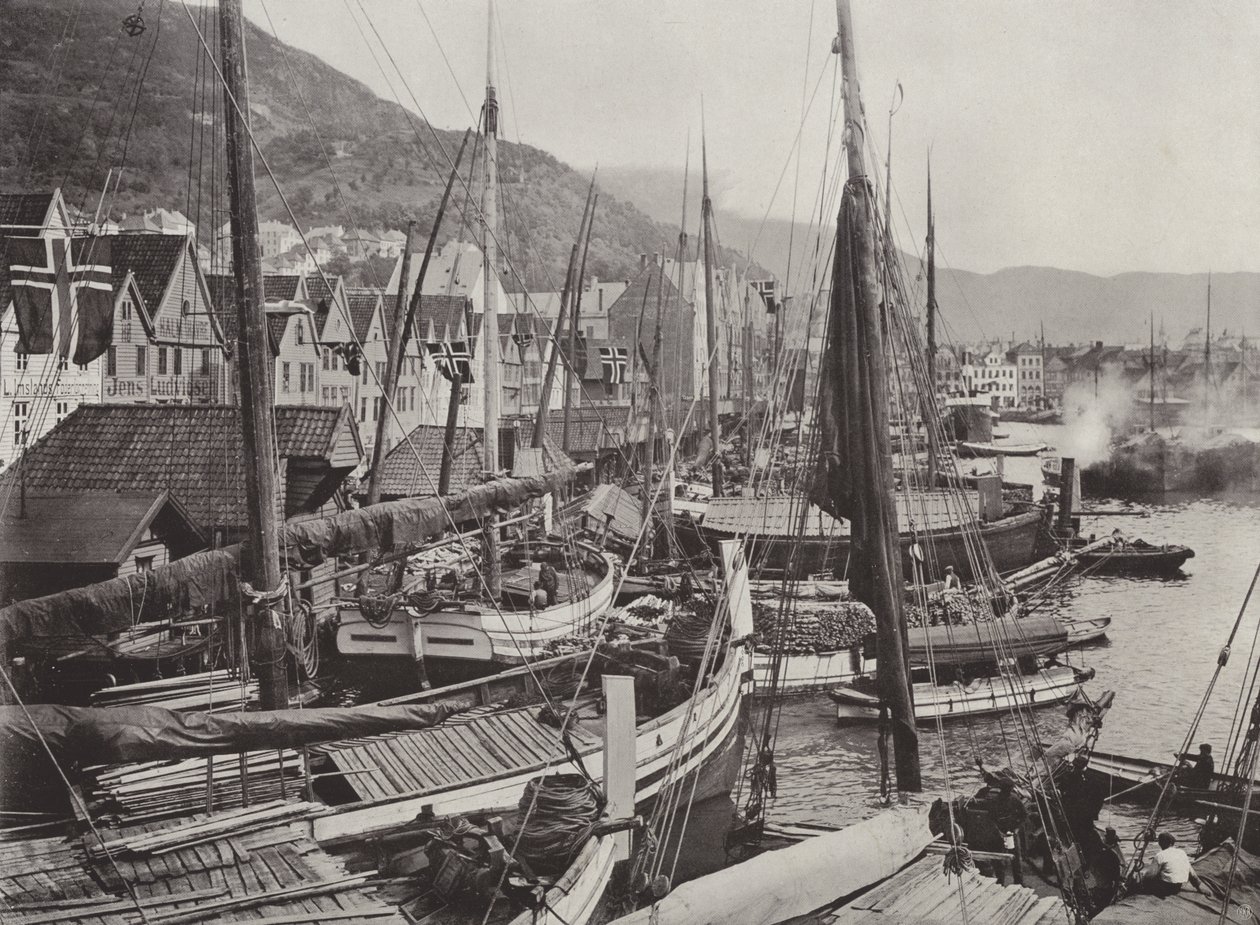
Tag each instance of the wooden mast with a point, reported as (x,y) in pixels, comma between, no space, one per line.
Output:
(571,373)
(1150,404)
(549,377)
(490,308)
(710,320)
(261,562)
(1207,349)
(875,528)
(649,447)
(933,463)
(393,366)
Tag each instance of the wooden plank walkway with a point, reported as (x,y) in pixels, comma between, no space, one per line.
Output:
(923,895)
(480,748)
(188,872)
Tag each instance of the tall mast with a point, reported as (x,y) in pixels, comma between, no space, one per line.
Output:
(649,448)
(490,312)
(1150,403)
(549,377)
(262,553)
(710,319)
(930,399)
(875,532)
(1207,348)
(572,375)
(393,366)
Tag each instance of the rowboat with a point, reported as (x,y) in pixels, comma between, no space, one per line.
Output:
(1137,558)
(968,448)
(1140,780)
(858,703)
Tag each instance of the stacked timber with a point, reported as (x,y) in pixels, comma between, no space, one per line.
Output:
(950,608)
(809,629)
(154,790)
(206,692)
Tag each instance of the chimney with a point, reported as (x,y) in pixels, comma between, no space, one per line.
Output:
(656,259)
(1098,344)
(642,261)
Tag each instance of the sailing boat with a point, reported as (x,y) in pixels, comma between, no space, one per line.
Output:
(477,614)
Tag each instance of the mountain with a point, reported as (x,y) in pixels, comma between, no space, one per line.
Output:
(1075,307)
(79,96)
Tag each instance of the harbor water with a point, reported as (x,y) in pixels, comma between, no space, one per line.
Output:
(1159,655)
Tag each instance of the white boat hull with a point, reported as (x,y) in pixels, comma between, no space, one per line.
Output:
(506,637)
(989,695)
(812,672)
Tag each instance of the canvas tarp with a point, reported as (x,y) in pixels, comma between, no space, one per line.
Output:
(210,579)
(1191,908)
(105,735)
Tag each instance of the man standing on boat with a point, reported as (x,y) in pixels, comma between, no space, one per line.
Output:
(549,581)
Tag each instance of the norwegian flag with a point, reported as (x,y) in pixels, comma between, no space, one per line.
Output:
(63,295)
(613,359)
(523,332)
(451,360)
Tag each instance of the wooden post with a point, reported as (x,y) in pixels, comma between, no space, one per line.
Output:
(710,321)
(490,311)
(570,369)
(619,755)
(393,366)
(1067,494)
(875,528)
(261,564)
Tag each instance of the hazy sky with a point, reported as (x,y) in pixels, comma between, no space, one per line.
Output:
(1101,136)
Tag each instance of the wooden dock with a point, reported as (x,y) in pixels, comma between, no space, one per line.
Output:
(922,894)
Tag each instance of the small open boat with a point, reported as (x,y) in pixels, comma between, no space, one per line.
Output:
(968,448)
(1137,557)
(858,702)
(1139,780)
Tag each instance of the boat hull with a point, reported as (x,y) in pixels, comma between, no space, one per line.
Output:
(1011,541)
(969,449)
(810,672)
(475,634)
(991,695)
(1162,561)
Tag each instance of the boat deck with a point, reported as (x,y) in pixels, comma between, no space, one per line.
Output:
(922,893)
(249,865)
(462,749)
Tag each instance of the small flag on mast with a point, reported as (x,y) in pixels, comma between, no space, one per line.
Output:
(452,359)
(63,295)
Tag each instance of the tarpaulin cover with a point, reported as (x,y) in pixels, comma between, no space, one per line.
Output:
(986,642)
(1191,908)
(211,578)
(105,735)
(202,579)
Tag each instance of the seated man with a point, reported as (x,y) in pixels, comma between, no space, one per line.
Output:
(1169,870)
(1198,776)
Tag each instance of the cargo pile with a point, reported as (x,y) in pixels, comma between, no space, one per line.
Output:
(828,628)
(950,607)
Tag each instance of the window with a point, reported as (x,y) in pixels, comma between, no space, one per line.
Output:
(162,361)
(23,361)
(82,367)
(186,308)
(205,361)
(179,360)
(284,377)
(21,412)
(362,409)
(63,363)
(327,358)
(380,374)
(140,358)
(376,407)
(307,372)
(111,361)
(413,398)
(345,394)
(125,310)
(301,337)
(63,408)
(365,372)
(144,563)
(336,362)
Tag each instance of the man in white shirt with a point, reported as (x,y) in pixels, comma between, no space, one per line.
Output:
(1169,870)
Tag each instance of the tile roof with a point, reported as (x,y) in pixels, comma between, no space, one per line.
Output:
(412,467)
(279,287)
(445,313)
(317,289)
(81,527)
(24,209)
(195,451)
(362,303)
(153,258)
